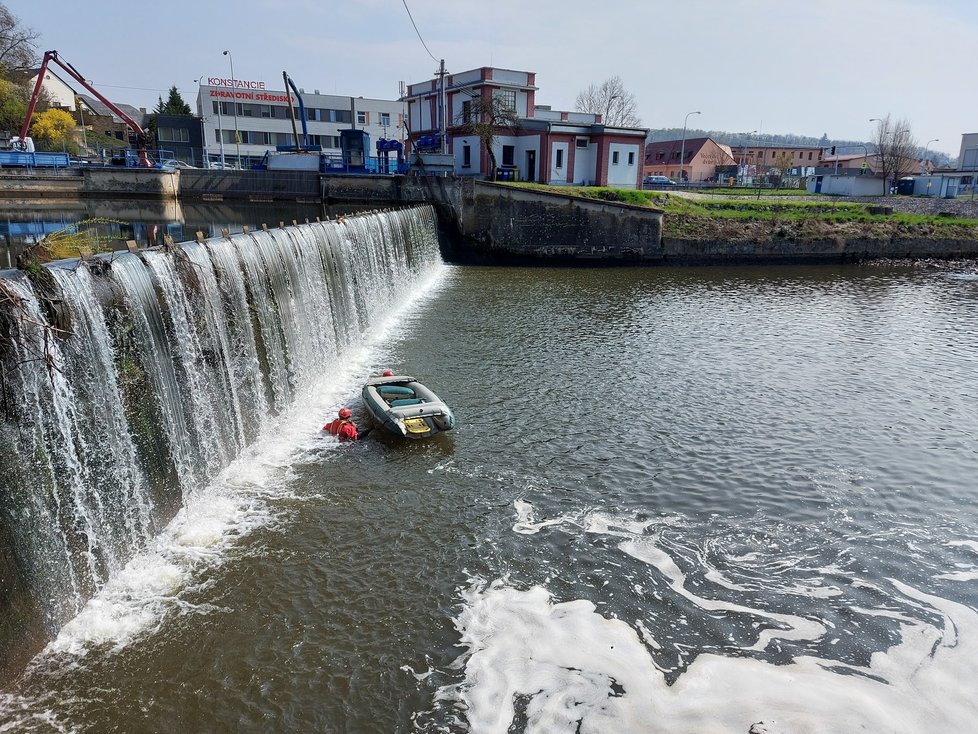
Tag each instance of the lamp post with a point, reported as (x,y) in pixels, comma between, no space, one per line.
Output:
(81,117)
(926,146)
(607,107)
(682,150)
(237,136)
(203,131)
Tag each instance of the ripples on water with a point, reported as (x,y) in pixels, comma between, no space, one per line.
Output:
(697,500)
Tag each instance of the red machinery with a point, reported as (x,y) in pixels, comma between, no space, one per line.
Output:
(141,135)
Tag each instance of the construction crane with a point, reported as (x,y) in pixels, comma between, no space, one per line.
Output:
(142,137)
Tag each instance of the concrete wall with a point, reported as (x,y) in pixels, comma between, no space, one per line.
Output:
(504,222)
(21,186)
(830,250)
(490,220)
(121,181)
(107,182)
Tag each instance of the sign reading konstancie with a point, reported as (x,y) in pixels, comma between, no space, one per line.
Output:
(213,81)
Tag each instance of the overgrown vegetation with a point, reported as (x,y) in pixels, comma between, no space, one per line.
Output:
(74,239)
(752,219)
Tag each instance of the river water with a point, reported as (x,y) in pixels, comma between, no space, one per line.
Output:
(678,500)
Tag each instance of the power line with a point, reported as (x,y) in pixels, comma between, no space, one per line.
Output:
(417,31)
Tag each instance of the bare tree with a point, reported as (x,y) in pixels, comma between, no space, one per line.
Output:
(783,164)
(484,117)
(17,51)
(896,148)
(616,105)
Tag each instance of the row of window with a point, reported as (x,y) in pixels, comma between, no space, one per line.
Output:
(776,153)
(313,114)
(173,134)
(614,158)
(261,137)
(760,154)
(509,155)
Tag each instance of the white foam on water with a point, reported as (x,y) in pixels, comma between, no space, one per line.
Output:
(526,523)
(966,572)
(563,667)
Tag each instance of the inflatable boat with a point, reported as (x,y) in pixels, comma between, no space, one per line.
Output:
(405,407)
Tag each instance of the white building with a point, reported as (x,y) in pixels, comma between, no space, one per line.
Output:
(59,92)
(549,146)
(247,118)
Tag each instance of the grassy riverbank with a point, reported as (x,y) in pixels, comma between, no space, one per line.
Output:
(748,218)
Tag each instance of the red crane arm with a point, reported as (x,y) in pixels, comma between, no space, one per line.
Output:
(73,73)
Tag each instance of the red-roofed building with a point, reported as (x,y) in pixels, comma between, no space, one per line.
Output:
(702,157)
(549,146)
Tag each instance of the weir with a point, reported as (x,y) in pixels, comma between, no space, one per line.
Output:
(130,381)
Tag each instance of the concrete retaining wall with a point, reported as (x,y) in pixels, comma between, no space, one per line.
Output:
(836,250)
(97,182)
(502,221)
(23,187)
(132,182)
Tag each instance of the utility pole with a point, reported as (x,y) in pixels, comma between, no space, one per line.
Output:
(442,125)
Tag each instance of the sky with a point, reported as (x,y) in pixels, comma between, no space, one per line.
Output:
(805,67)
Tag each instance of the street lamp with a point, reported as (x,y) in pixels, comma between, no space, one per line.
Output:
(237,136)
(682,153)
(926,146)
(203,131)
(81,117)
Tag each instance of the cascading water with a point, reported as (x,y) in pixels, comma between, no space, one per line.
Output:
(167,366)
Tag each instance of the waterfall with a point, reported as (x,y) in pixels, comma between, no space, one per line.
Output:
(130,381)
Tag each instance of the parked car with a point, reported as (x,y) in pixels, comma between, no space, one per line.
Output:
(174,164)
(222,166)
(658,181)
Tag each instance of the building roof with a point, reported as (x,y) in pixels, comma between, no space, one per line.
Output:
(668,147)
(99,108)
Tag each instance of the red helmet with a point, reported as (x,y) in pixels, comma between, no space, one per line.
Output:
(345,413)
(388,373)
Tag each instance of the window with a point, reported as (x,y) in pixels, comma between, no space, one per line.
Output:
(173,134)
(361,118)
(509,154)
(466,156)
(560,158)
(467,110)
(809,155)
(581,143)
(631,158)
(614,158)
(385,118)
(507,98)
